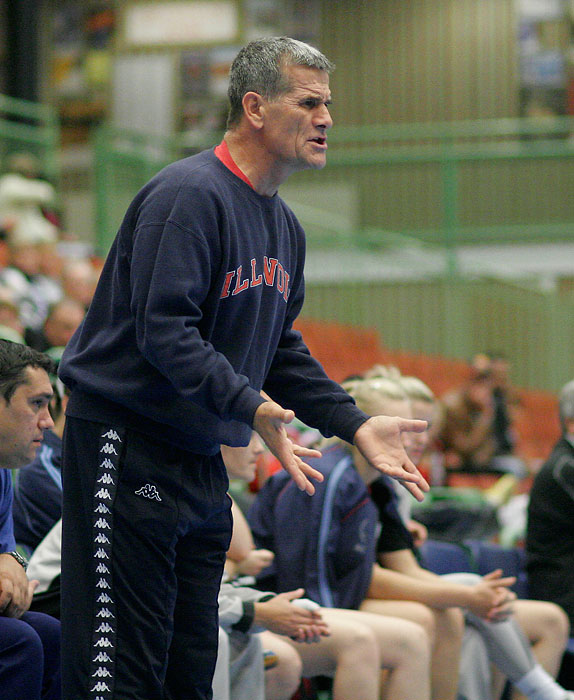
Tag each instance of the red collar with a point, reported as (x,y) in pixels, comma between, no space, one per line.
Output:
(222,152)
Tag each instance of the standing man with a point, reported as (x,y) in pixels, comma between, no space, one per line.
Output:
(191,319)
(29,642)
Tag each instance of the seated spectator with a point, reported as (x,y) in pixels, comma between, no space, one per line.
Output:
(359,644)
(79,280)
(549,533)
(329,562)
(29,641)
(11,327)
(27,200)
(61,322)
(38,485)
(470,432)
(544,626)
(33,292)
(506,402)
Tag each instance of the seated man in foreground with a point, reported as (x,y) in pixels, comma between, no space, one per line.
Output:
(29,642)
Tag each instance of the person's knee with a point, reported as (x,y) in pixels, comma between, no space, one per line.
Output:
(427,619)
(363,641)
(554,623)
(416,642)
(451,623)
(21,644)
(285,677)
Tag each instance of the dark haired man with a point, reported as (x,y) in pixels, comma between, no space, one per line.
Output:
(29,642)
(191,319)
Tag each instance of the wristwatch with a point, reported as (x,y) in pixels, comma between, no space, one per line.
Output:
(19,558)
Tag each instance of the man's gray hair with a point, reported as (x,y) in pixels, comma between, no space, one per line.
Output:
(566,403)
(258,67)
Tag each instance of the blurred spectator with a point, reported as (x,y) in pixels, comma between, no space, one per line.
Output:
(506,401)
(550,531)
(11,327)
(470,432)
(25,199)
(32,291)
(63,318)
(79,280)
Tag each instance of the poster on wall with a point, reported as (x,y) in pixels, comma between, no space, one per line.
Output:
(544,29)
(81,59)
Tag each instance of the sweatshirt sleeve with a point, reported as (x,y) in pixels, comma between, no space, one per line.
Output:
(297,381)
(237,607)
(171,278)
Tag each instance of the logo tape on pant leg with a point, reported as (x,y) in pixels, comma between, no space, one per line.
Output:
(105,620)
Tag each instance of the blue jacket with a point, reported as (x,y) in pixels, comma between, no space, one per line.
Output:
(38,493)
(324,543)
(7,542)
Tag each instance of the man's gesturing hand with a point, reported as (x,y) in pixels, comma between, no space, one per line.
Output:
(269,422)
(379,441)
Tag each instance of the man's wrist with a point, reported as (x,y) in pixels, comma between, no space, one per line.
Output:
(19,558)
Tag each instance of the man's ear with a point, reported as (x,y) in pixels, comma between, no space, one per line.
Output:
(253,109)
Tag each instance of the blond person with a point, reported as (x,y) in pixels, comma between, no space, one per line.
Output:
(359,645)
(502,634)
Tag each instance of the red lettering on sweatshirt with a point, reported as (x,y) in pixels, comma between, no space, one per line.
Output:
(274,275)
(239,285)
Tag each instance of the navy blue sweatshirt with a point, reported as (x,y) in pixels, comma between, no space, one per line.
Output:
(193,316)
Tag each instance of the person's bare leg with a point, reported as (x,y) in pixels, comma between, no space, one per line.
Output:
(281,681)
(404,652)
(546,627)
(445,628)
(350,656)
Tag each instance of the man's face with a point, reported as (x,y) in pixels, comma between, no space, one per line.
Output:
(24,419)
(61,325)
(296,123)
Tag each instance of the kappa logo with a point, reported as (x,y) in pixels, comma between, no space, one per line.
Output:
(104,598)
(102,583)
(106,479)
(105,627)
(102,508)
(101,554)
(104,612)
(104,642)
(102,657)
(101,568)
(104,493)
(100,538)
(112,435)
(101,687)
(109,449)
(107,464)
(101,672)
(102,524)
(149,491)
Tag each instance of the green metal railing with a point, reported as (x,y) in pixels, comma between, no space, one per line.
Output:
(457,183)
(33,128)
(437,185)
(445,184)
